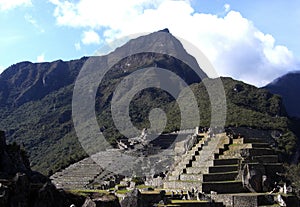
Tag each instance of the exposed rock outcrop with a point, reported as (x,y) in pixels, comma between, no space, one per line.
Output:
(103,201)
(132,199)
(22,187)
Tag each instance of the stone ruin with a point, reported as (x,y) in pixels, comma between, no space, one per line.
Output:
(215,169)
(89,174)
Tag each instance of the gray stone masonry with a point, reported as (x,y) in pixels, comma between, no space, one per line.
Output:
(77,175)
(197,162)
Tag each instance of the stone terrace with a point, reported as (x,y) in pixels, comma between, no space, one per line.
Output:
(77,175)
(215,165)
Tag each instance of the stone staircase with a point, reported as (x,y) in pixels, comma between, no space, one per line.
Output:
(200,161)
(223,177)
(215,166)
(78,175)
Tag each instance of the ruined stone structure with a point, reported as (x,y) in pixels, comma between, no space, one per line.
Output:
(89,174)
(209,169)
(243,171)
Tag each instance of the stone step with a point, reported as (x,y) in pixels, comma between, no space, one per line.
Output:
(260,145)
(74,174)
(207,156)
(223,187)
(70,187)
(246,140)
(210,145)
(191,177)
(223,168)
(196,170)
(208,152)
(71,179)
(195,162)
(197,147)
(205,161)
(204,164)
(232,161)
(81,167)
(173,177)
(224,176)
(182,185)
(258,151)
(182,165)
(265,159)
(186,158)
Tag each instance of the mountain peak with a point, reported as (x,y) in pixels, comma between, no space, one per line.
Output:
(164,30)
(162,42)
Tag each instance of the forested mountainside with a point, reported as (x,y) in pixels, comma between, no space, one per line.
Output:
(36,103)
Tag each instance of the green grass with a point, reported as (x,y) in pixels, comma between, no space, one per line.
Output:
(144,186)
(86,192)
(123,191)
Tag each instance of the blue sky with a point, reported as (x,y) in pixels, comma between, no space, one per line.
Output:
(255,41)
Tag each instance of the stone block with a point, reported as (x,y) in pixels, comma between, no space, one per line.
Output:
(245,201)
(225,168)
(253,140)
(205,163)
(223,187)
(256,152)
(189,177)
(220,176)
(197,170)
(185,185)
(265,159)
(233,161)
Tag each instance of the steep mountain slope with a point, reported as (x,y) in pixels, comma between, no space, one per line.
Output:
(288,87)
(36,101)
(25,81)
(36,98)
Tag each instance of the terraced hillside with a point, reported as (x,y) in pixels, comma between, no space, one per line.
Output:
(220,170)
(241,171)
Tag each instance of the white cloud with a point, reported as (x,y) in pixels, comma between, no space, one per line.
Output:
(77,46)
(90,37)
(227,7)
(232,43)
(11,4)
(32,21)
(40,58)
(98,13)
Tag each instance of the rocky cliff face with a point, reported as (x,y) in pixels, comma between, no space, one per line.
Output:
(22,187)
(26,81)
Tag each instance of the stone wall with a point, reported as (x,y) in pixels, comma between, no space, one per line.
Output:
(247,201)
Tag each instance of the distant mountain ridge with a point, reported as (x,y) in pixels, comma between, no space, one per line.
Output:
(36,100)
(28,81)
(288,86)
